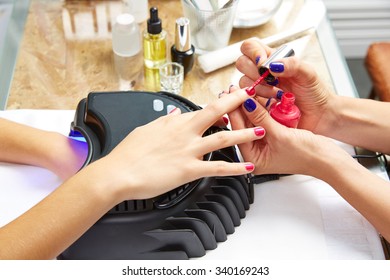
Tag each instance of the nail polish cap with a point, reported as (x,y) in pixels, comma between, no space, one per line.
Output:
(281,52)
(182,35)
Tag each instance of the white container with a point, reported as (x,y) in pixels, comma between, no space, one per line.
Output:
(126,36)
(138,8)
(254,13)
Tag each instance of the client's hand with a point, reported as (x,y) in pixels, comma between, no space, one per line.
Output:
(168,152)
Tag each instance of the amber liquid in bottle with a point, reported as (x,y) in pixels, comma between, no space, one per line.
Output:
(155,49)
(154,41)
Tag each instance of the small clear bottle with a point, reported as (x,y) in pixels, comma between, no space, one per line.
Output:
(126,37)
(154,41)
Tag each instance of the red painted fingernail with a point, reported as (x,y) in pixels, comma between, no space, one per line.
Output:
(250,90)
(259,131)
(249,166)
(225,120)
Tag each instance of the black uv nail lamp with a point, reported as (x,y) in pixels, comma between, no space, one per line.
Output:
(183,223)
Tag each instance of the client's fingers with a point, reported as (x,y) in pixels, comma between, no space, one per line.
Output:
(225,139)
(206,117)
(223,168)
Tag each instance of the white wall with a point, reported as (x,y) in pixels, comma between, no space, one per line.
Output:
(357,23)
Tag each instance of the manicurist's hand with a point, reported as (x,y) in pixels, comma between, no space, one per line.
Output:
(312,95)
(298,151)
(283,149)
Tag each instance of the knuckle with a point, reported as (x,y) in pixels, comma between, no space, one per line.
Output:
(222,138)
(258,117)
(213,108)
(220,167)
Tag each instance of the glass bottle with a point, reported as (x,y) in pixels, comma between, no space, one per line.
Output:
(154,41)
(126,37)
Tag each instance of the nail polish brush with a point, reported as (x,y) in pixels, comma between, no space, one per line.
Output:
(251,90)
(281,52)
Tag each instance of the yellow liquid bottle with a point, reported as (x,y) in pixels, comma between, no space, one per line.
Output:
(154,42)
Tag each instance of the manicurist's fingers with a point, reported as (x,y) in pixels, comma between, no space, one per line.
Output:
(254,54)
(256,114)
(246,66)
(294,68)
(256,51)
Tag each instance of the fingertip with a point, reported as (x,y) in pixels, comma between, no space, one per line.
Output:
(233,88)
(259,131)
(225,120)
(222,122)
(250,105)
(249,167)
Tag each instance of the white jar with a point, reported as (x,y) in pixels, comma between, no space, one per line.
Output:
(126,36)
(138,8)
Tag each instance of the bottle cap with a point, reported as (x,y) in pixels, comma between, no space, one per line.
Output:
(124,22)
(182,35)
(154,23)
(125,19)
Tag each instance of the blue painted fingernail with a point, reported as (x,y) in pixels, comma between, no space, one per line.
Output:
(250,105)
(279,94)
(268,102)
(274,82)
(277,67)
(257,59)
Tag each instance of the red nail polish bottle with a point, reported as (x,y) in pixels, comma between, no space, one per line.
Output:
(285,111)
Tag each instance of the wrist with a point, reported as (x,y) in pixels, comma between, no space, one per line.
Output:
(329,160)
(102,183)
(66,155)
(113,181)
(329,116)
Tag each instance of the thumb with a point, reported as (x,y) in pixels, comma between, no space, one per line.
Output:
(256,113)
(292,67)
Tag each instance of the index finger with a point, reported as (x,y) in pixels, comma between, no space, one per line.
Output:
(207,116)
(256,51)
(254,54)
